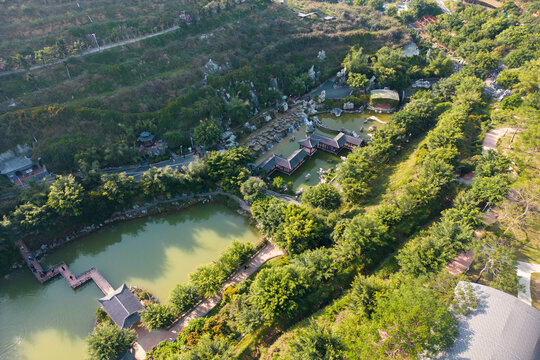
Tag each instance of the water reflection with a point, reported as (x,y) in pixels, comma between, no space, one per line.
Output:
(51,321)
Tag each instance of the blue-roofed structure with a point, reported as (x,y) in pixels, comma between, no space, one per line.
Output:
(502,327)
(146,138)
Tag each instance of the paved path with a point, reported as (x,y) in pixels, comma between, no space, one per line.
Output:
(443,6)
(524,271)
(147,340)
(492,136)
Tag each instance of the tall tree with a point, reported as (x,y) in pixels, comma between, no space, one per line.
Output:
(66,196)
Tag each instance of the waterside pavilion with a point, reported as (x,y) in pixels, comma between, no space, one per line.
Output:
(308,147)
(122,306)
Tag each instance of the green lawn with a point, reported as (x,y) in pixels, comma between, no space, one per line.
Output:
(396,174)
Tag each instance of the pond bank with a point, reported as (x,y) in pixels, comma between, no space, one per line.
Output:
(155,253)
(136,212)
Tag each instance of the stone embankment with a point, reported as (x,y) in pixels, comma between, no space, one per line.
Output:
(138,211)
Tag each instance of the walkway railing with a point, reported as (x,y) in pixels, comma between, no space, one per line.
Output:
(62,269)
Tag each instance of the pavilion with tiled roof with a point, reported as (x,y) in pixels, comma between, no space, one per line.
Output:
(122,306)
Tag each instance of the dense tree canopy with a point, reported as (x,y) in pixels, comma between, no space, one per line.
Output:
(66,196)
(323,196)
(106,342)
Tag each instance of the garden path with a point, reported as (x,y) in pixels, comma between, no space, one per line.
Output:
(492,136)
(147,340)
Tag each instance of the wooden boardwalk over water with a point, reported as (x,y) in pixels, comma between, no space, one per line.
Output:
(62,269)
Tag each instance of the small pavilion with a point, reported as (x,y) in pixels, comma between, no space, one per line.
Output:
(122,306)
(146,138)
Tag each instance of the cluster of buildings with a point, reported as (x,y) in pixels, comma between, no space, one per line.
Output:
(308,147)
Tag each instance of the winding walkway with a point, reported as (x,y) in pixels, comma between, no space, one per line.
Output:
(524,269)
(493,136)
(286,198)
(147,340)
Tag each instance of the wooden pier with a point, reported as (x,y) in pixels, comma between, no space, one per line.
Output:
(62,269)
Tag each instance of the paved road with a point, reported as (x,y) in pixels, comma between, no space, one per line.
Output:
(443,7)
(492,136)
(287,198)
(136,171)
(332,92)
(92,51)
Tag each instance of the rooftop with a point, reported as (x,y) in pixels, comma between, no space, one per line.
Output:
(289,163)
(384,94)
(502,327)
(337,142)
(122,306)
(146,136)
(15,164)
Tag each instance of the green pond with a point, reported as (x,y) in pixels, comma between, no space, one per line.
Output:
(321,159)
(51,321)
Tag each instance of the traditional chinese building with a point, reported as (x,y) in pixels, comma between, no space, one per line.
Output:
(122,306)
(19,167)
(146,138)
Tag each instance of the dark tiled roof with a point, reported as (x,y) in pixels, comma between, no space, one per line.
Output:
(353,140)
(15,164)
(122,306)
(309,142)
(340,139)
(297,157)
(146,136)
(325,140)
(289,163)
(268,164)
(337,142)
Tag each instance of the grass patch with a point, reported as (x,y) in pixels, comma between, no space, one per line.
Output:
(395,175)
(535,290)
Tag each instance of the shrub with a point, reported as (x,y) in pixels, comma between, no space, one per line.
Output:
(253,189)
(207,133)
(209,278)
(157,316)
(183,298)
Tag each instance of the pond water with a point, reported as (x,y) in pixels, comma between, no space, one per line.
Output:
(321,160)
(354,122)
(51,321)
